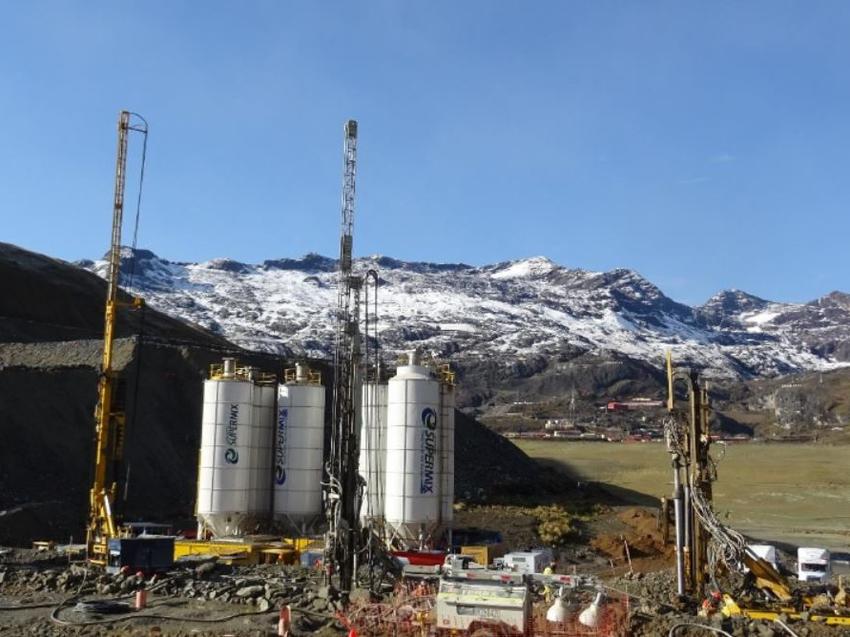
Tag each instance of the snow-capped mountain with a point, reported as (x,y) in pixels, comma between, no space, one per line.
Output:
(508,311)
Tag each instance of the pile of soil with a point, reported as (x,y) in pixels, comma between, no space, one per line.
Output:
(638,528)
(46,299)
(490,468)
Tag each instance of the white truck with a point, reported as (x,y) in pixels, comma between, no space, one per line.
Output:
(813,564)
(528,562)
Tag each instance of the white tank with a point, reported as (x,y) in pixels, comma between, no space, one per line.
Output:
(226,503)
(373,449)
(265,400)
(299,450)
(412,504)
(447,453)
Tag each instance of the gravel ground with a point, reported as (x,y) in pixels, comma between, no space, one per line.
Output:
(39,593)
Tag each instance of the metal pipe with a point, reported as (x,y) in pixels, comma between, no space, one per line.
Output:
(785,626)
(688,541)
(677,514)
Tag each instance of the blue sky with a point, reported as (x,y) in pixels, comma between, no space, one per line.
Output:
(704,144)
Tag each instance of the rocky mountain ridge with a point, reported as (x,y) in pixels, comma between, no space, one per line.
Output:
(517,312)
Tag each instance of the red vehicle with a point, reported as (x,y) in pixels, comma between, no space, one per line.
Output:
(422,558)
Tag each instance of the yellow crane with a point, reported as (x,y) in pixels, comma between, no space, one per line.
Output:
(109,413)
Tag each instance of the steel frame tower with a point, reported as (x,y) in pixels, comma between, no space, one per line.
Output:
(343,489)
(110,419)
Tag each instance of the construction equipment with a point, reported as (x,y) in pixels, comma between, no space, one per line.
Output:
(494,602)
(343,486)
(461,597)
(110,420)
(472,599)
(692,474)
(703,543)
(705,547)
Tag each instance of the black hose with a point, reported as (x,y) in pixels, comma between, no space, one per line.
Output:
(54,616)
(28,606)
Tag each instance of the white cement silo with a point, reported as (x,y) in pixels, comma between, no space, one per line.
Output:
(265,401)
(412,505)
(373,450)
(299,450)
(226,504)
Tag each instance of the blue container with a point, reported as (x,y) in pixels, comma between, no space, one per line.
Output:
(310,557)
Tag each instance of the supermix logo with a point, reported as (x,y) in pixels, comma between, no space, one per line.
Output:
(428,452)
(231,435)
(280,446)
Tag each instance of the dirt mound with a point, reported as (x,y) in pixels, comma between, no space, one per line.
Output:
(635,535)
(488,466)
(46,299)
(47,428)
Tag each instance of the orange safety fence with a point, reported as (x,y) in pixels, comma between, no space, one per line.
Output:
(411,612)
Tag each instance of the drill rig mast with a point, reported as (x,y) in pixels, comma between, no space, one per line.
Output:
(343,489)
(110,418)
(693,474)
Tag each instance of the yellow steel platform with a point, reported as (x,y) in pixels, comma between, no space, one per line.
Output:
(249,550)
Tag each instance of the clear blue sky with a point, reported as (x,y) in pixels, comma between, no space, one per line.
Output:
(704,144)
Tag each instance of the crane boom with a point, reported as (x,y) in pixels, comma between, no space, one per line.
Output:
(109,413)
(343,488)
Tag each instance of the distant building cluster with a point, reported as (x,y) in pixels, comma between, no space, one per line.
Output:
(616,421)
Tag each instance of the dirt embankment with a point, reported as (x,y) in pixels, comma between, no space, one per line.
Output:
(47,426)
(46,299)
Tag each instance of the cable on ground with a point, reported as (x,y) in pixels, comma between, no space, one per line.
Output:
(704,627)
(112,606)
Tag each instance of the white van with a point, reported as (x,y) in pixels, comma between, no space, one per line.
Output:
(813,565)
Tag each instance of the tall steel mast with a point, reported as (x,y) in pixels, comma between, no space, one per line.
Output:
(343,489)
(109,413)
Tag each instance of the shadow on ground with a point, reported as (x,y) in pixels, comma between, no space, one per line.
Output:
(608,494)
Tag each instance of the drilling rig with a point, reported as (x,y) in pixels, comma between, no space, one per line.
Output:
(693,472)
(110,419)
(343,488)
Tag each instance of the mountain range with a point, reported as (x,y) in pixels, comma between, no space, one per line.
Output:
(524,313)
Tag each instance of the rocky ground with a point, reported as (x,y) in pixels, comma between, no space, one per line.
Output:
(656,611)
(42,594)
